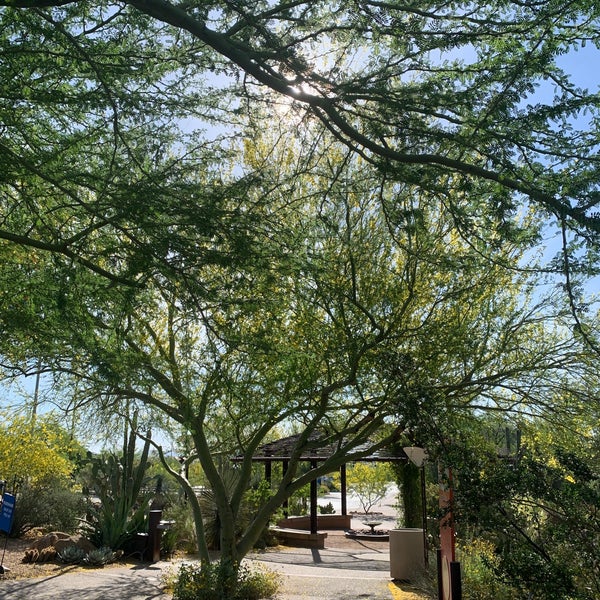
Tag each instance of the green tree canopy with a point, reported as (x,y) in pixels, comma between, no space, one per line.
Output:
(344,248)
(359,310)
(424,90)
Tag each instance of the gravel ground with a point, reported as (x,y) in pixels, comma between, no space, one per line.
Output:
(17,569)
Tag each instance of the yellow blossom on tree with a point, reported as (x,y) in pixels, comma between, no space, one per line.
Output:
(33,452)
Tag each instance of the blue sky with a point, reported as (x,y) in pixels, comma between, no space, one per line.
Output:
(584,66)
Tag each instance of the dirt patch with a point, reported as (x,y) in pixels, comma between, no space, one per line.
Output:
(17,569)
(338,539)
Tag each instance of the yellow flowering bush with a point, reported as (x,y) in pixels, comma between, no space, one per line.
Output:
(33,452)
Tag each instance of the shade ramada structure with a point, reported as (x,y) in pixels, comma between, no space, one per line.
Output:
(281,451)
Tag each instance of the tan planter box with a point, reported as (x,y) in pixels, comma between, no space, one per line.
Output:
(407,553)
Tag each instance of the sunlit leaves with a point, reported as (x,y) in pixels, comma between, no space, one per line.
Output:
(32,451)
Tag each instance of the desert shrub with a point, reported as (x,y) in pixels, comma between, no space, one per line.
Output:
(326,509)
(538,578)
(298,502)
(182,534)
(479,564)
(257,584)
(219,581)
(254,499)
(328,484)
(540,511)
(49,503)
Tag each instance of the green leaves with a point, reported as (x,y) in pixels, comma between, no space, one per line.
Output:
(344,247)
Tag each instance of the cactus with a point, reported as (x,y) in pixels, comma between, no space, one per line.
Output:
(118,481)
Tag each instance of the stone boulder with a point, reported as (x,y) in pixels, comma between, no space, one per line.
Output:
(75,540)
(46,548)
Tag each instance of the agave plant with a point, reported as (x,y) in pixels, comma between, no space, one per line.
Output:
(100,557)
(72,555)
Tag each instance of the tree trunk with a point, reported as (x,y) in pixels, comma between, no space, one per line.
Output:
(194,504)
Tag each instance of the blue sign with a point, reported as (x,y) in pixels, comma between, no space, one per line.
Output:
(7,512)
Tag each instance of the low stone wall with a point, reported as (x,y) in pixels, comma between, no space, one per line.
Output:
(299,538)
(327,522)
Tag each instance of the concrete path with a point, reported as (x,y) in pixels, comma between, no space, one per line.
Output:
(313,575)
(330,574)
(142,583)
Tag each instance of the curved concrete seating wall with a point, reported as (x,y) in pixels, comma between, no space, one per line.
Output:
(327,522)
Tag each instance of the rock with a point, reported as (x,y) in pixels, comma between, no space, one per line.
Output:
(50,539)
(45,548)
(75,540)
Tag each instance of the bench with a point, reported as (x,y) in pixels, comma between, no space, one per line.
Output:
(299,538)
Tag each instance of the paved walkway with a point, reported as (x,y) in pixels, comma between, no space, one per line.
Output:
(329,574)
(102,584)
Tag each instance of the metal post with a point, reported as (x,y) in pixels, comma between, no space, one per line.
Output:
(313,501)
(455,580)
(344,489)
(424,513)
(154,534)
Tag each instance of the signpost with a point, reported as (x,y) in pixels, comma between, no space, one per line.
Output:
(449,578)
(7,512)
